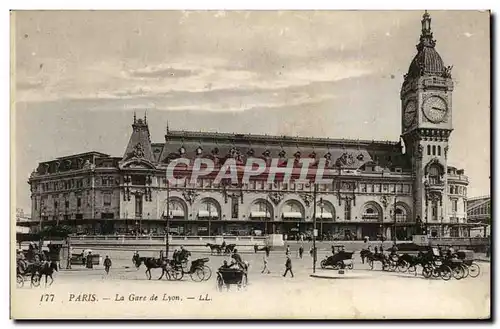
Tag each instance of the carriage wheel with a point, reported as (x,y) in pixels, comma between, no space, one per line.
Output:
(220,283)
(197,275)
(208,273)
(323,264)
(177,274)
(466,270)
(458,272)
(427,271)
(350,266)
(403,266)
(391,266)
(19,281)
(474,270)
(412,269)
(435,272)
(370,263)
(35,281)
(445,272)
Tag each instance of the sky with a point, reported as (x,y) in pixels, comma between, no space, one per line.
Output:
(79,77)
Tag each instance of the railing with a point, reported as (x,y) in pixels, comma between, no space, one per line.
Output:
(227,238)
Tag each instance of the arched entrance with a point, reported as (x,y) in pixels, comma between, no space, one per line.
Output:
(325,217)
(261,216)
(176,212)
(404,227)
(372,218)
(208,218)
(293,214)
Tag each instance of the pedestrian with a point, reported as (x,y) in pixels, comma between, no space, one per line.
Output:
(107,264)
(89,260)
(301,251)
(288,266)
(266,268)
(288,250)
(268,250)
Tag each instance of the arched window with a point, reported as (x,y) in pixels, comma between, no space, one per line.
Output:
(293,210)
(433,149)
(434,174)
(401,214)
(434,210)
(439,150)
(325,211)
(208,209)
(176,209)
(371,212)
(428,150)
(261,209)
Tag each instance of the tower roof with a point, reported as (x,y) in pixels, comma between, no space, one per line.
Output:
(139,145)
(427,60)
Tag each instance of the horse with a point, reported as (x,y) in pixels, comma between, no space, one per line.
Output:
(44,268)
(364,254)
(214,247)
(151,262)
(229,248)
(378,257)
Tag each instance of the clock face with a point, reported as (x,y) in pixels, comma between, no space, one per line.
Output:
(410,113)
(435,109)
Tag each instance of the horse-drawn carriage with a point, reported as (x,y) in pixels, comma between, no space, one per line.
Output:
(340,259)
(221,249)
(231,276)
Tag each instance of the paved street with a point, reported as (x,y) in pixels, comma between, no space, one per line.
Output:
(362,293)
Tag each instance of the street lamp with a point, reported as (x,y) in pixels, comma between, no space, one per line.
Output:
(315,232)
(167,231)
(321,217)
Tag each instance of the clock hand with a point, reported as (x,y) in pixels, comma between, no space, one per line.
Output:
(437,108)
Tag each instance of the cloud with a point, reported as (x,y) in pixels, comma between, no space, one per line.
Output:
(161,73)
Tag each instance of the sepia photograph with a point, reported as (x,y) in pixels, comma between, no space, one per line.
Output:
(278,164)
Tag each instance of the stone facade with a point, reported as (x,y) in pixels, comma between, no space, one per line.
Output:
(377,188)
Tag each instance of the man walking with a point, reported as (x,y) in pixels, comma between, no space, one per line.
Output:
(301,251)
(107,264)
(288,266)
(266,268)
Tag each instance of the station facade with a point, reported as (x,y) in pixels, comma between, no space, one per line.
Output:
(379,188)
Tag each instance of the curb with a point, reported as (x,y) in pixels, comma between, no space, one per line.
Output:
(317,276)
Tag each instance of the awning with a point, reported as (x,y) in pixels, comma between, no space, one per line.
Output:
(259,214)
(324,215)
(207,214)
(292,215)
(174,213)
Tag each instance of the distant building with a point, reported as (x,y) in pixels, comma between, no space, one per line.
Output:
(377,189)
(479,212)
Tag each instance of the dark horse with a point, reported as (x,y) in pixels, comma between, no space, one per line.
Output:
(364,254)
(45,268)
(229,248)
(151,262)
(214,247)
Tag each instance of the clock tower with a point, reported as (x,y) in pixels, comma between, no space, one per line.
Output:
(426,127)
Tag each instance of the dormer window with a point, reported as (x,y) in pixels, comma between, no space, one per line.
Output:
(328,156)
(251,152)
(199,150)
(312,155)
(215,150)
(297,155)
(266,153)
(282,154)
(182,150)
